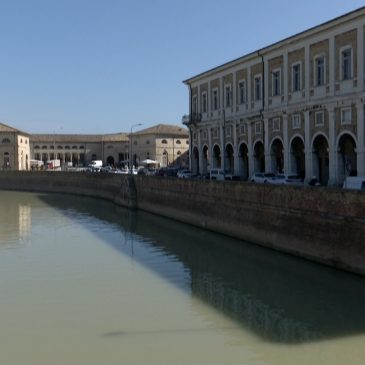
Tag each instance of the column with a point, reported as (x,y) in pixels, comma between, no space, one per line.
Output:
(209,99)
(200,157)
(285,77)
(223,150)
(307,147)
(332,153)
(251,169)
(360,58)
(235,148)
(234,92)
(248,85)
(221,96)
(265,79)
(265,134)
(332,65)
(360,139)
(210,149)
(307,72)
(287,167)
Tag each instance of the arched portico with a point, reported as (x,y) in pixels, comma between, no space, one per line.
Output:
(320,159)
(195,160)
(346,157)
(205,160)
(217,161)
(243,169)
(297,156)
(277,156)
(229,158)
(259,157)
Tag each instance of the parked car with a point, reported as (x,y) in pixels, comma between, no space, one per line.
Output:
(354,183)
(262,178)
(217,174)
(185,174)
(180,173)
(286,179)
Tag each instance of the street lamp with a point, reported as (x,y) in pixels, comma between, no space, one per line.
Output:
(131,148)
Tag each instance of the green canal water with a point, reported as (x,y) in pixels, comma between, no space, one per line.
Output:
(85,282)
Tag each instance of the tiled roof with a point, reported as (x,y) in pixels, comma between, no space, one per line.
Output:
(7,128)
(165,129)
(86,138)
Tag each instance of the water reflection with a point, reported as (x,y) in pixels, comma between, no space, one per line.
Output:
(278,297)
(15,223)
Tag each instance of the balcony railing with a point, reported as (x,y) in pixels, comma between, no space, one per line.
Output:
(191,118)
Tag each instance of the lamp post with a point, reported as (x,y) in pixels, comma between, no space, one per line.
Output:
(131,148)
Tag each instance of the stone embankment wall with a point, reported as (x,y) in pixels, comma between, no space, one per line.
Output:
(116,188)
(320,224)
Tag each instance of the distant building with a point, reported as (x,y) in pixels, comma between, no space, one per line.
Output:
(294,106)
(166,144)
(14,148)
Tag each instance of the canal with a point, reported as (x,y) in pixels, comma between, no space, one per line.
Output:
(85,282)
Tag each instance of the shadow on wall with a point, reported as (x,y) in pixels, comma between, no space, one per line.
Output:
(278,297)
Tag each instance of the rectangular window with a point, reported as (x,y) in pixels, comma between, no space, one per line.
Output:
(296,77)
(215,132)
(276,83)
(319,119)
(228,96)
(346,116)
(258,127)
(346,63)
(228,131)
(319,71)
(242,92)
(215,99)
(204,102)
(257,86)
(242,127)
(276,124)
(296,121)
(205,135)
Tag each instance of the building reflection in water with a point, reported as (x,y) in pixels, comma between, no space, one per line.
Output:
(278,297)
(15,223)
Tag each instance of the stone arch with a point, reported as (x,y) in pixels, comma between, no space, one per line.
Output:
(195,160)
(259,156)
(229,158)
(216,160)
(277,155)
(205,160)
(320,158)
(346,156)
(243,164)
(297,156)
(110,160)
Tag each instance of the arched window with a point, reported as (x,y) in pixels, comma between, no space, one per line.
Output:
(147,142)
(51,147)
(164,141)
(74,147)
(44,147)
(82,147)
(67,147)
(187,142)
(60,147)
(6,140)
(21,140)
(178,142)
(36,147)
(178,153)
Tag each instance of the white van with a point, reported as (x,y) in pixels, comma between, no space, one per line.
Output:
(354,183)
(96,163)
(217,174)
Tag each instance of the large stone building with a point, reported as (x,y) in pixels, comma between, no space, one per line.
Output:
(14,148)
(166,144)
(294,106)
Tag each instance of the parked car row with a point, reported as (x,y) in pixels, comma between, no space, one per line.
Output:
(277,179)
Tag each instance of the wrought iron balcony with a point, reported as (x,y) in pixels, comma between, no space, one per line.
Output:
(191,118)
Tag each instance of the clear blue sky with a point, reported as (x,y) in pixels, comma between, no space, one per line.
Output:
(99,66)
